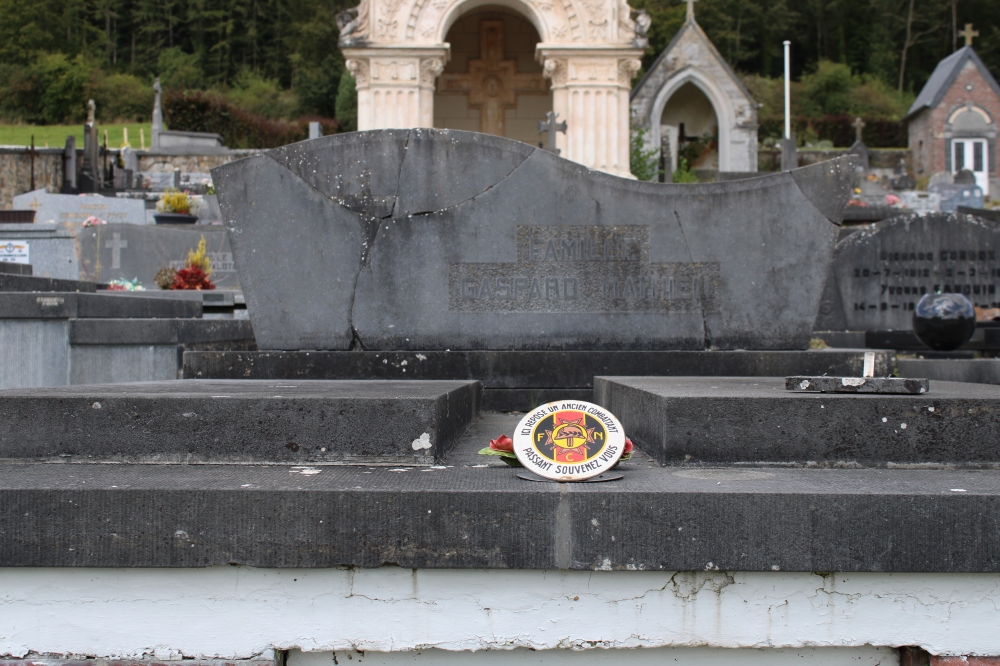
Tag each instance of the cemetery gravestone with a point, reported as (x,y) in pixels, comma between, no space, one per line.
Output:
(50,248)
(427,239)
(74,210)
(879,273)
(129,251)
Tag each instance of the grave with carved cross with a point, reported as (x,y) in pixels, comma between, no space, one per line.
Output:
(492,83)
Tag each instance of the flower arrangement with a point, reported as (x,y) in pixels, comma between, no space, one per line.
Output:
(503,446)
(209,187)
(93,221)
(121,284)
(195,274)
(174,201)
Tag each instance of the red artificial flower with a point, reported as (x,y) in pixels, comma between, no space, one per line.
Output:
(116,287)
(502,443)
(628,446)
(192,278)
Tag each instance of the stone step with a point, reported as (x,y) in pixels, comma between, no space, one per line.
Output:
(10,282)
(520,380)
(755,420)
(72,305)
(291,422)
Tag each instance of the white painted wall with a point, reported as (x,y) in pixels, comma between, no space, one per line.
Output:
(238,612)
(702,656)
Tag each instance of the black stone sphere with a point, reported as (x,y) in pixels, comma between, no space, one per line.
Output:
(944,322)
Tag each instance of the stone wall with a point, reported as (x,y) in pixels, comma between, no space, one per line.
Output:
(15,167)
(878,158)
(15,172)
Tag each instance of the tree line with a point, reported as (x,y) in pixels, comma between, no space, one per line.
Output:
(279,58)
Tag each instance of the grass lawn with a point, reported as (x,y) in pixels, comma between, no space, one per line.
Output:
(55,135)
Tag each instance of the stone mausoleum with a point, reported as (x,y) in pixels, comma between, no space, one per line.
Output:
(953,121)
(691,97)
(498,67)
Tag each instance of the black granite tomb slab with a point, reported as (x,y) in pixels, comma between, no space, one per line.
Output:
(755,420)
(69,305)
(243,421)
(14,282)
(442,239)
(520,380)
(880,271)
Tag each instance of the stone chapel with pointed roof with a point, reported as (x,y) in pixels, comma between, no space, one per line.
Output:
(692,94)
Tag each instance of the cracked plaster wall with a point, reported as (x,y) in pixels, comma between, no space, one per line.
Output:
(239,612)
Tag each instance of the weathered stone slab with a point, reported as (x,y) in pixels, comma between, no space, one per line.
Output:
(74,210)
(857,385)
(666,519)
(521,380)
(880,272)
(10,282)
(129,251)
(200,421)
(427,240)
(70,305)
(755,420)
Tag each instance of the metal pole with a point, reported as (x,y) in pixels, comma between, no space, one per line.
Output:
(788,93)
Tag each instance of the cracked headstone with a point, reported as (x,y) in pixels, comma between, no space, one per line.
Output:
(442,239)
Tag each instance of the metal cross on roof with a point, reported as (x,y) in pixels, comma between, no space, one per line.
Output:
(968,33)
(551,126)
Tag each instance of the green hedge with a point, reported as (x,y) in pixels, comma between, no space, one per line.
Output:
(840,130)
(196,111)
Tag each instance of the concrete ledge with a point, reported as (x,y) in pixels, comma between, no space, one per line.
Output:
(157,331)
(238,421)
(739,420)
(979,370)
(33,283)
(69,305)
(525,369)
(687,519)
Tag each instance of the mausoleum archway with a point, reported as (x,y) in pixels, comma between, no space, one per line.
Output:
(492,82)
(698,102)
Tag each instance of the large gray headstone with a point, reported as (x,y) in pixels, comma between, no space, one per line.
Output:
(131,251)
(427,239)
(73,209)
(880,272)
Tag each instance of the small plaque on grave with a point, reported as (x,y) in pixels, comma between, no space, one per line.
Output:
(15,251)
(569,440)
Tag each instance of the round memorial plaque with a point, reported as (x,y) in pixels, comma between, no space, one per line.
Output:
(569,440)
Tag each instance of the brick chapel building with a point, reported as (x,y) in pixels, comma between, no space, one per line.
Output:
(953,121)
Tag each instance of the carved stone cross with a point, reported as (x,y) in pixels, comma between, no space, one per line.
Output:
(968,33)
(690,10)
(858,125)
(116,245)
(551,126)
(91,111)
(492,83)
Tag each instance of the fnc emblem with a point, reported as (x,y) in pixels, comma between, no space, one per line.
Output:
(569,441)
